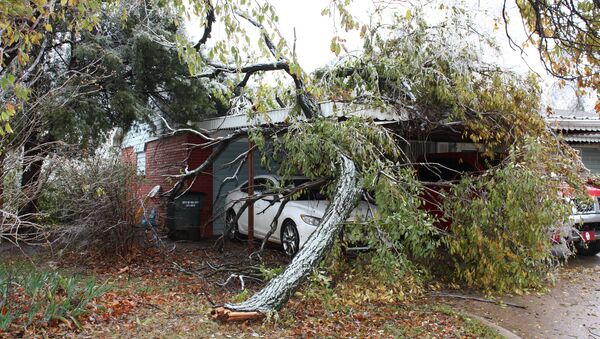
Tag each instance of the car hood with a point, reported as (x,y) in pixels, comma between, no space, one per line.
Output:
(316,208)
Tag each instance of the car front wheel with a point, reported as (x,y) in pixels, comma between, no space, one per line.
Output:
(290,238)
(591,249)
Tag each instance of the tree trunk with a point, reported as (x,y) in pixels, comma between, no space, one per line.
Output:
(277,292)
(32,170)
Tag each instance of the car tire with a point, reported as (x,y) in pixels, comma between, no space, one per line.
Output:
(234,230)
(290,239)
(591,249)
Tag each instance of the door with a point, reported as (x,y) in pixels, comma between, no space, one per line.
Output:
(240,197)
(265,208)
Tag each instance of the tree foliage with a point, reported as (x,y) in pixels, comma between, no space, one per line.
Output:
(566,35)
(24,30)
(110,78)
(85,83)
(417,71)
(501,224)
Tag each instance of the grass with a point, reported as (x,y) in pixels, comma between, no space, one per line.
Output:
(153,300)
(470,325)
(31,297)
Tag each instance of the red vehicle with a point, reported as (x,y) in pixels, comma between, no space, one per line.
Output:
(436,170)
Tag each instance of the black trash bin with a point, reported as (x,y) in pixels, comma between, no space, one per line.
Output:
(183,217)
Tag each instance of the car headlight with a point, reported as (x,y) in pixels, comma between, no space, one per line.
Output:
(309,219)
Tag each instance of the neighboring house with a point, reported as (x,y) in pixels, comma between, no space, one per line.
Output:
(158,154)
(581,130)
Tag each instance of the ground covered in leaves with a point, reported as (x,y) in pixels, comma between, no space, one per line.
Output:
(154,293)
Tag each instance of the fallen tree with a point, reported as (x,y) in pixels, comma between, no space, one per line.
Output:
(430,78)
(409,69)
(276,293)
(427,77)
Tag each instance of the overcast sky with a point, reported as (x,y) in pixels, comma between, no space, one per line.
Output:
(314,33)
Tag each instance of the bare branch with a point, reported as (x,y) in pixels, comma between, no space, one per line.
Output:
(223,143)
(210,20)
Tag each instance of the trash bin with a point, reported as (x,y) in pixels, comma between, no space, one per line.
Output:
(183,217)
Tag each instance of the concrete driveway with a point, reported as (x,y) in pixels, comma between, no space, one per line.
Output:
(571,309)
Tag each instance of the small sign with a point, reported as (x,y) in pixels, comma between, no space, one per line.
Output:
(190,203)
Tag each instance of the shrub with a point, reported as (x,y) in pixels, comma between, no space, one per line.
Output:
(501,225)
(94,202)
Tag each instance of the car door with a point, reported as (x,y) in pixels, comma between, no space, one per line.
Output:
(264,209)
(239,198)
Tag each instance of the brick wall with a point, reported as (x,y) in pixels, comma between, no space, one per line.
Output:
(128,156)
(203,183)
(167,156)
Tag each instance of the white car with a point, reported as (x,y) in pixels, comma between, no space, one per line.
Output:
(585,223)
(299,217)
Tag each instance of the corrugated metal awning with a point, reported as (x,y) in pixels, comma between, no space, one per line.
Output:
(574,124)
(583,138)
(328,109)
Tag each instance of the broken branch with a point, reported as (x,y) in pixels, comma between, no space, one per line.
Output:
(273,296)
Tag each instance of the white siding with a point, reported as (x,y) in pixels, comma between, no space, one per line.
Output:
(590,156)
(141,162)
(139,134)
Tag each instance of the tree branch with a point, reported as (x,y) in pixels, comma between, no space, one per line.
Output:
(210,20)
(279,289)
(181,178)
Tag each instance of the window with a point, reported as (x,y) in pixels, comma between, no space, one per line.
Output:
(263,184)
(141,163)
(260,184)
(313,193)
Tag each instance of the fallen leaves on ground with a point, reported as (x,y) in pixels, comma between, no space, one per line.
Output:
(152,297)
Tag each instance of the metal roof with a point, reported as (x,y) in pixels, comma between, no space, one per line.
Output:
(328,109)
(571,123)
(574,124)
(573,120)
(583,138)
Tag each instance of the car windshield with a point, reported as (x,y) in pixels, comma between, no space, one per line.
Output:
(313,193)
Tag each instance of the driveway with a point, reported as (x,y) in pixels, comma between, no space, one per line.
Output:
(571,309)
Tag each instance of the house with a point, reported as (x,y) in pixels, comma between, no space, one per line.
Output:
(158,155)
(581,130)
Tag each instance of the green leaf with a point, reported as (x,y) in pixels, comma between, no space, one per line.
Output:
(335,46)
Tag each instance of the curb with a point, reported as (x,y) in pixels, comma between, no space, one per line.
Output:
(501,330)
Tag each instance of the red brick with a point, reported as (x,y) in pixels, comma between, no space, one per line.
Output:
(168,156)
